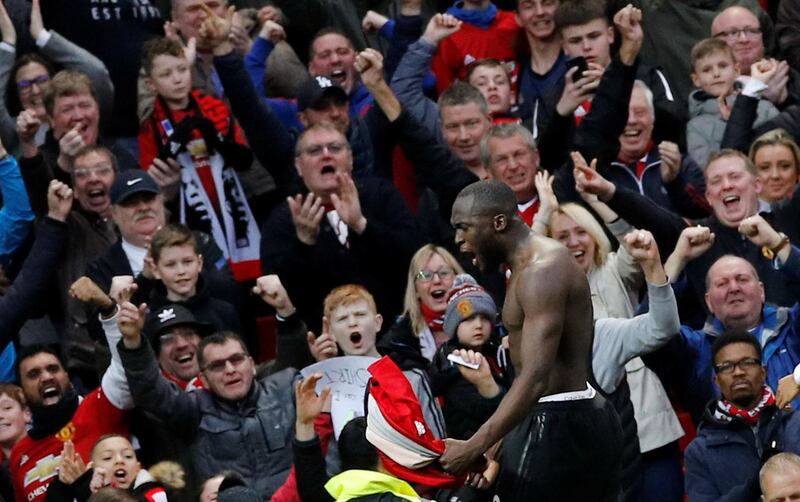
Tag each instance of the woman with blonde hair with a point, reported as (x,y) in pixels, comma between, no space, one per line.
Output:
(777,159)
(614,277)
(420,329)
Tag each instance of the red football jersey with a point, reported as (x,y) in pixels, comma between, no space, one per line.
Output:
(33,462)
(471,43)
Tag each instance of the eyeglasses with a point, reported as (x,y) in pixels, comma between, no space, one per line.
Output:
(734,33)
(83,173)
(219,365)
(444,274)
(25,85)
(727,367)
(170,338)
(334,148)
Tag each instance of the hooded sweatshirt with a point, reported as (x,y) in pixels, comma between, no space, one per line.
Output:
(706,126)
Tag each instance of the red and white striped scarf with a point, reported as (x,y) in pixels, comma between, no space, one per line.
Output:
(727,411)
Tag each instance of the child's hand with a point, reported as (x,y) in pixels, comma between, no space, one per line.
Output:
(482,377)
(724,107)
(71,466)
(322,347)
(100,479)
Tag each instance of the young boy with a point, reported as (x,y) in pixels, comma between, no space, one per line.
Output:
(201,135)
(352,320)
(176,263)
(714,72)
(15,417)
(470,395)
(490,77)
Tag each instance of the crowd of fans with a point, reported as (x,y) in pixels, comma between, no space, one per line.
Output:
(201,198)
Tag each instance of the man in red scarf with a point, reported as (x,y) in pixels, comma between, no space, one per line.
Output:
(741,429)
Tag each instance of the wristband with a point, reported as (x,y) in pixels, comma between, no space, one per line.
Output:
(281,318)
(109,313)
(797,374)
(782,244)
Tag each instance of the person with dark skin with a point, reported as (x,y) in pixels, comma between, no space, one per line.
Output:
(548,314)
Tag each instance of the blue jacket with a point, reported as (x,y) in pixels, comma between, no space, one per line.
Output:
(723,461)
(16,216)
(779,340)
(256,63)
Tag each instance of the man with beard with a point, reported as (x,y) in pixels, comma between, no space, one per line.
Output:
(59,415)
(741,429)
(550,346)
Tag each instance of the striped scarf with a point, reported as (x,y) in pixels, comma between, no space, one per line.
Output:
(727,411)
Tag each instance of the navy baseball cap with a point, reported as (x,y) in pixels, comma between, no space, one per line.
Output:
(130,182)
(314,90)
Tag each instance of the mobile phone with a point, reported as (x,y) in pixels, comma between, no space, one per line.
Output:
(580,63)
(460,360)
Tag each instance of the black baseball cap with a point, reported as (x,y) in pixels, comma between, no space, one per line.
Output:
(170,316)
(130,182)
(315,90)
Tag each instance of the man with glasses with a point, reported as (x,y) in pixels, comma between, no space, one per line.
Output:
(741,429)
(236,422)
(339,231)
(741,30)
(91,234)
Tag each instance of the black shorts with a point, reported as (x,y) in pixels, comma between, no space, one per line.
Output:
(563,451)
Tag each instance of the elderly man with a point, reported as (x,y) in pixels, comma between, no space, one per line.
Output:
(137,209)
(631,158)
(740,429)
(780,478)
(732,192)
(339,232)
(741,30)
(509,152)
(225,420)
